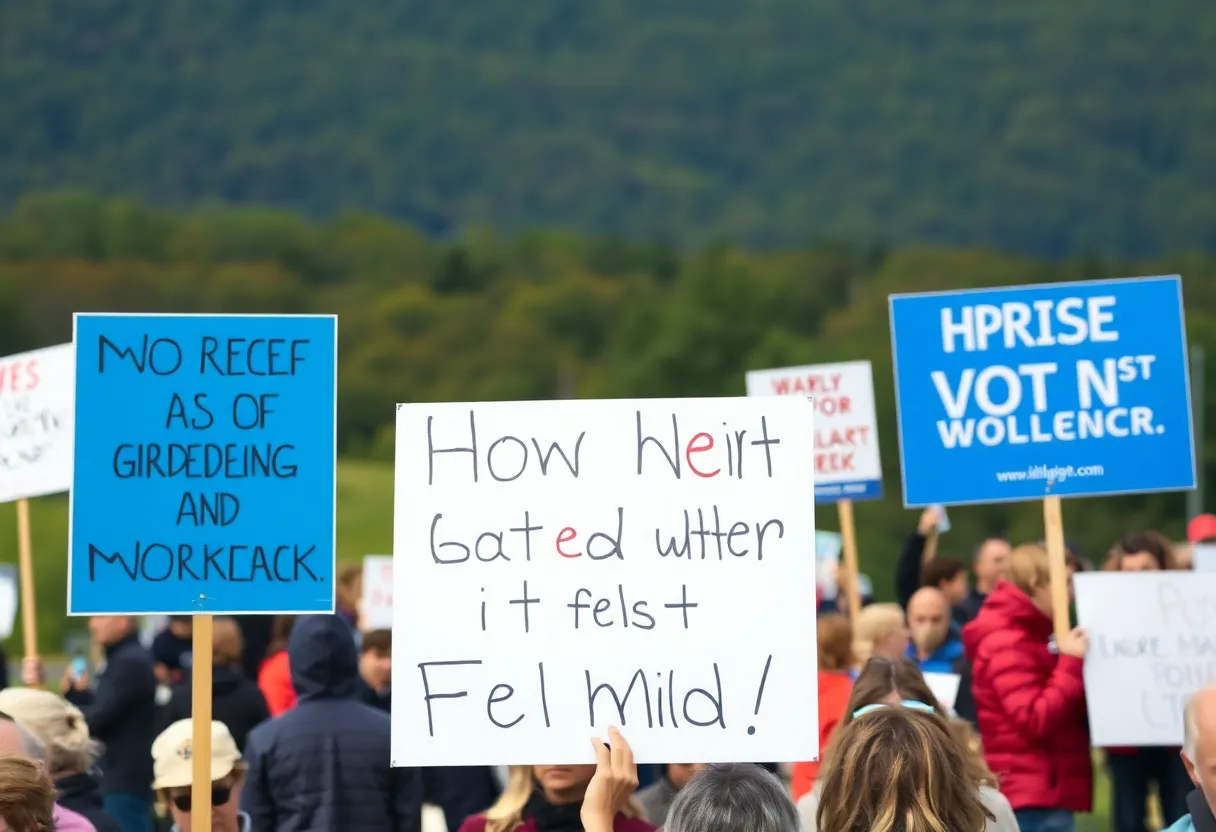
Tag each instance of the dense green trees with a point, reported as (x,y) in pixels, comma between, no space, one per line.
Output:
(541,315)
(1042,127)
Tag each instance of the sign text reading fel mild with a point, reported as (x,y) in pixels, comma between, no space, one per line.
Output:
(204,464)
(1068,389)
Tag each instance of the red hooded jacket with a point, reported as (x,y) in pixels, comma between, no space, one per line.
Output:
(1030,702)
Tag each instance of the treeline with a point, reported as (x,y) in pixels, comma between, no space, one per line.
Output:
(541,315)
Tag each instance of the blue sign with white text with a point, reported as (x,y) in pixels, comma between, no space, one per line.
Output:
(1066,389)
(205,457)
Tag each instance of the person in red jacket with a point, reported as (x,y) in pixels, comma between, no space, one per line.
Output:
(1030,698)
(835,636)
(274,677)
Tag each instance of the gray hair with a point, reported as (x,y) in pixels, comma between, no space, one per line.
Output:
(733,798)
(1190,727)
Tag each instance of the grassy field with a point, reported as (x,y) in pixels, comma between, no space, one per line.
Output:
(365,526)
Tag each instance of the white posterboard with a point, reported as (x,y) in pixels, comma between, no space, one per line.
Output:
(8,600)
(847,463)
(945,687)
(566,566)
(1203,557)
(377,607)
(1141,667)
(37,392)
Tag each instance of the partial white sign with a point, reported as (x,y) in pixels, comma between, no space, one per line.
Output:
(945,687)
(847,463)
(377,607)
(567,566)
(1141,668)
(37,395)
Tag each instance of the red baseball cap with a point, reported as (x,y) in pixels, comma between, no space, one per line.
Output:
(1202,527)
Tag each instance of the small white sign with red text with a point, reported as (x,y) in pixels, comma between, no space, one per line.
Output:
(37,395)
(376,611)
(847,465)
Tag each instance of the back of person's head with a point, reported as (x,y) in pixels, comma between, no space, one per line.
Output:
(874,623)
(940,571)
(57,724)
(227,643)
(1029,568)
(835,636)
(27,797)
(899,770)
(322,656)
(280,632)
(884,681)
(733,798)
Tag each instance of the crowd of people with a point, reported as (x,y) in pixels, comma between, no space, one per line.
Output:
(300,737)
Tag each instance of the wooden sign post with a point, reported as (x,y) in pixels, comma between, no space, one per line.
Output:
(25,557)
(848,542)
(200,691)
(1053,534)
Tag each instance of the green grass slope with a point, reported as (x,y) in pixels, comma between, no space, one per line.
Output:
(365,526)
(1037,126)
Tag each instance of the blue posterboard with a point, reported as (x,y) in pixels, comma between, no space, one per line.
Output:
(1065,389)
(205,457)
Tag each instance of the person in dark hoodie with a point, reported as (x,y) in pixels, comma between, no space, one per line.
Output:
(70,753)
(120,712)
(325,763)
(236,700)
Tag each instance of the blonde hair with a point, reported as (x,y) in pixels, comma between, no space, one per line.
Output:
(874,623)
(507,813)
(899,771)
(58,725)
(1029,568)
(27,797)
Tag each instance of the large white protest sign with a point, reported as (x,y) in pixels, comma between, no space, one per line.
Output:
(1203,557)
(847,464)
(37,390)
(1141,668)
(377,607)
(567,566)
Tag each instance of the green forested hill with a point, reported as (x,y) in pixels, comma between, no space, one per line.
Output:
(1038,126)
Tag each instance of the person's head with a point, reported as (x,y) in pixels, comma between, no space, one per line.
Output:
(991,562)
(679,774)
(27,797)
(181,626)
(58,724)
(111,629)
(899,768)
(560,785)
(227,643)
(280,632)
(928,619)
(880,631)
(734,797)
(376,659)
(835,636)
(899,681)
(173,770)
(1199,742)
(1030,571)
(323,659)
(948,575)
(1144,552)
(350,587)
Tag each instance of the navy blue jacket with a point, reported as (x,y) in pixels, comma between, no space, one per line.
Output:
(120,713)
(324,765)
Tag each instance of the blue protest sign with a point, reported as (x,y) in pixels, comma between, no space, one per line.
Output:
(1066,389)
(205,457)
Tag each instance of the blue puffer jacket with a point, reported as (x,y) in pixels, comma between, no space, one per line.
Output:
(324,765)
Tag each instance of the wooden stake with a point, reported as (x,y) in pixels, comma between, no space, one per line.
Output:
(848,540)
(1053,527)
(200,689)
(25,557)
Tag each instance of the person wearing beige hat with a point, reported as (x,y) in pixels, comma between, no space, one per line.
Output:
(173,768)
